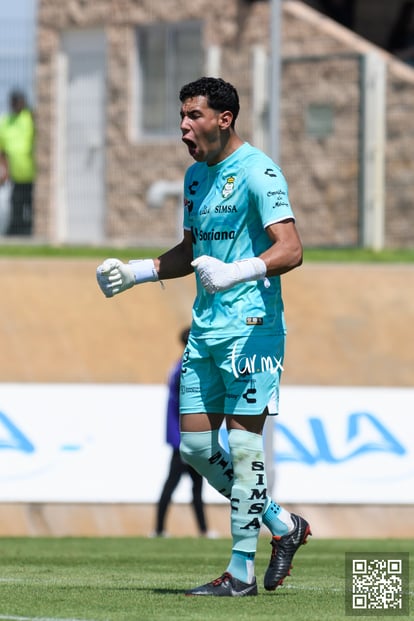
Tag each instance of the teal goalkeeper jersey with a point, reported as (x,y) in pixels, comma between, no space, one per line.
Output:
(227,208)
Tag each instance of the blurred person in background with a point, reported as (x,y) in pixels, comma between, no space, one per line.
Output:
(177,466)
(17,133)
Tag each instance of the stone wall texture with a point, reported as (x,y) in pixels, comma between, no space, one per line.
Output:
(321,65)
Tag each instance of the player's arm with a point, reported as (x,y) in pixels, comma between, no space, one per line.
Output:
(114,276)
(176,262)
(284,255)
(286,251)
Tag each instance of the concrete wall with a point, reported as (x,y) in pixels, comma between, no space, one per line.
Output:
(92,520)
(347,325)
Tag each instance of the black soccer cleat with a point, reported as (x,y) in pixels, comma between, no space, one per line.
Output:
(283,551)
(225,586)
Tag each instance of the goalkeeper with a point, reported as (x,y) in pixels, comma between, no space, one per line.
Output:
(239,237)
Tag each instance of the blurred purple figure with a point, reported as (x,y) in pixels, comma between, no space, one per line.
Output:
(177,466)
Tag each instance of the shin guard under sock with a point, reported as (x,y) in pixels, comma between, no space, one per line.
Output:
(203,451)
(205,454)
(248,495)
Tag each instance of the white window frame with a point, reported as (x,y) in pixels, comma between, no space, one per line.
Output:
(169,32)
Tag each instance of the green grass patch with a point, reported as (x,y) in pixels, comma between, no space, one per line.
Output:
(77,252)
(359,255)
(138,579)
(335,255)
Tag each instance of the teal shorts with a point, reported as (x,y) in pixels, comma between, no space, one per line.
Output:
(236,375)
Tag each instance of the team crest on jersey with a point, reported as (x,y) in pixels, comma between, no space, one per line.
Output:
(228,187)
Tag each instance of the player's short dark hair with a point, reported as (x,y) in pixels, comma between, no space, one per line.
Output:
(220,95)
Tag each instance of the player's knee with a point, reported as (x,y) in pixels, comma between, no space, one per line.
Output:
(193,446)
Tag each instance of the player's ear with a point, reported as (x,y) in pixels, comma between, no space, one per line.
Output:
(225,119)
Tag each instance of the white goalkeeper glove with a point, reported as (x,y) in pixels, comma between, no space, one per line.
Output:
(218,276)
(113,276)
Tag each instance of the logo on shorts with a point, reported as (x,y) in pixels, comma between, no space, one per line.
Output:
(248,395)
(189,389)
(242,364)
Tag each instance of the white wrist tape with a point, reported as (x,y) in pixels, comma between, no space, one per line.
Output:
(144,270)
(215,275)
(251,269)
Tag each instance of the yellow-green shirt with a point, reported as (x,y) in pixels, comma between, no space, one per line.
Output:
(16,141)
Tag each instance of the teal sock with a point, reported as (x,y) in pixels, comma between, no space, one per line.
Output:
(241,566)
(248,497)
(277,519)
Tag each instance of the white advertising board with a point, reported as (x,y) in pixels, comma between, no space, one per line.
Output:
(105,443)
(339,445)
(85,443)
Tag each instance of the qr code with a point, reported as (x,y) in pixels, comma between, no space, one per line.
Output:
(377,584)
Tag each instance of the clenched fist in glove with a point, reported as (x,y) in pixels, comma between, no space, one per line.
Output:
(113,276)
(218,276)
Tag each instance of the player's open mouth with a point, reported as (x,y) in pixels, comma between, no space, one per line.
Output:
(192,147)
